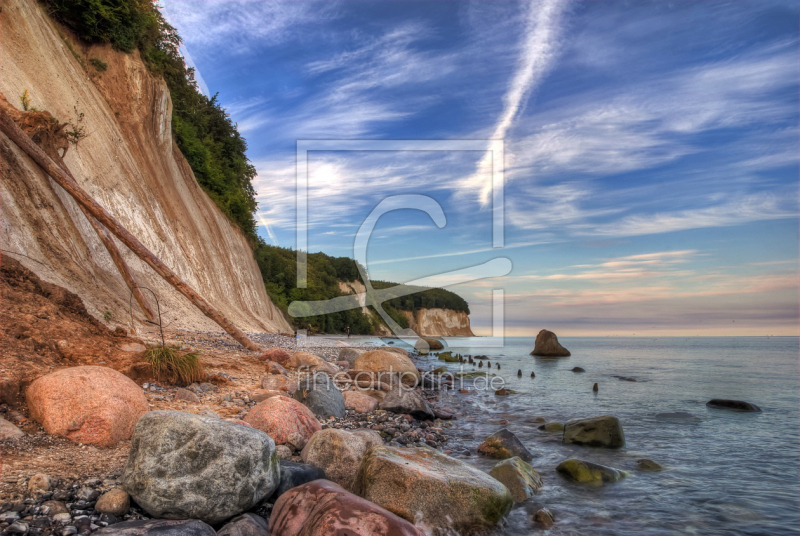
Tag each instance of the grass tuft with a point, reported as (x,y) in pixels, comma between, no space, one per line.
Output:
(171,366)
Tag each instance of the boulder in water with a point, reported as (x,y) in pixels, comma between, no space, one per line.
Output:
(184,466)
(322,508)
(588,473)
(520,478)
(552,427)
(504,444)
(547,345)
(605,431)
(433,490)
(544,517)
(645,464)
(578,369)
(735,405)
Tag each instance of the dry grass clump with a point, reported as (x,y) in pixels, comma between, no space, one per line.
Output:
(172,366)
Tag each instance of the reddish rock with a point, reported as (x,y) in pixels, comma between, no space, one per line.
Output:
(276,382)
(359,402)
(280,416)
(187,396)
(259,395)
(275,368)
(94,405)
(309,363)
(278,355)
(322,508)
(239,421)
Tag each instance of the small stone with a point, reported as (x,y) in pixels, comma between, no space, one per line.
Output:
(595,388)
(62,518)
(533,374)
(10,517)
(39,483)
(52,508)
(284,452)
(519,373)
(69,531)
(87,494)
(552,427)
(296,441)
(187,396)
(18,527)
(648,465)
(543,517)
(115,502)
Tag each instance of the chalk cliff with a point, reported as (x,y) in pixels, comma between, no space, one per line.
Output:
(439,323)
(129,164)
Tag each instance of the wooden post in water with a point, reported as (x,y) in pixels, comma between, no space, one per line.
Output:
(24,142)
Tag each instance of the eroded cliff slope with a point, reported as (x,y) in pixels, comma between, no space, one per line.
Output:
(129,163)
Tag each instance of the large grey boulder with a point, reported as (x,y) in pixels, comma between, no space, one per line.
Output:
(320,395)
(605,431)
(190,466)
(547,345)
(158,527)
(404,400)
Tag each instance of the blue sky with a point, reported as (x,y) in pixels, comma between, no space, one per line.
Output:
(651,148)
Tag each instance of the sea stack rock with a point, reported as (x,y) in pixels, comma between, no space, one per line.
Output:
(547,345)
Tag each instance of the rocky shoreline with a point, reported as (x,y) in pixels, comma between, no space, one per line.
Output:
(262,445)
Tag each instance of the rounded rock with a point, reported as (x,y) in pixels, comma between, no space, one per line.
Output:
(87,404)
(187,466)
(115,502)
(280,416)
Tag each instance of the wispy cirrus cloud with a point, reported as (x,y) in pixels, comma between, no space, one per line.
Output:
(539,50)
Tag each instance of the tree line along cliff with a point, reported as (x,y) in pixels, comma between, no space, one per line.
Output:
(216,153)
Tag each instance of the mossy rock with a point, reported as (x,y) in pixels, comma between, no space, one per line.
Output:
(447,357)
(552,427)
(588,472)
(520,478)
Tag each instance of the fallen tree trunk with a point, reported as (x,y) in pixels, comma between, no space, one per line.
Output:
(122,266)
(24,142)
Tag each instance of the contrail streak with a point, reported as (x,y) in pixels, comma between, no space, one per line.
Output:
(542,31)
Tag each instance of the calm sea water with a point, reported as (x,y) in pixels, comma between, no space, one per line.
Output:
(727,473)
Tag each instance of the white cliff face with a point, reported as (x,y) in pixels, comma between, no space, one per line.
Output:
(439,323)
(130,165)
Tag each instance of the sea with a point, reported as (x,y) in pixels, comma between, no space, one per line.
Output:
(724,472)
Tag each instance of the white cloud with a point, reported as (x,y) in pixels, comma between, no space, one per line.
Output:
(538,53)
